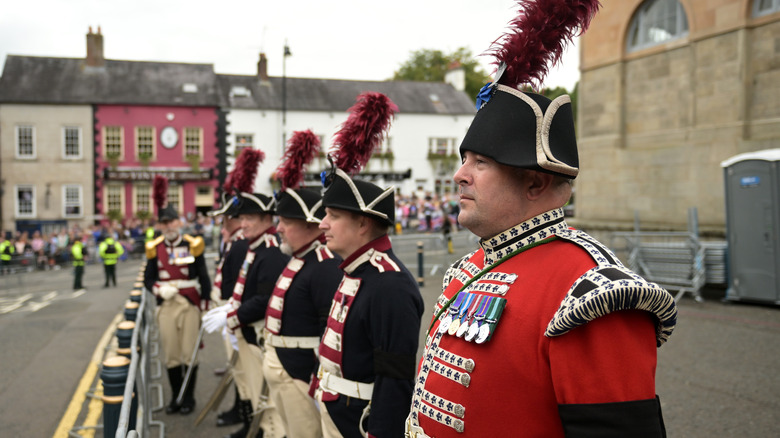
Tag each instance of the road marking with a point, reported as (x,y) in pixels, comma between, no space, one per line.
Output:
(34,307)
(15,304)
(49,296)
(78,293)
(77,401)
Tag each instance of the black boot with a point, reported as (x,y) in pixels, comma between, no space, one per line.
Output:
(188,401)
(231,416)
(245,410)
(175,377)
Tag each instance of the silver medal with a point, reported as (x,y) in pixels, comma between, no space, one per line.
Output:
(484,332)
(473,330)
(445,323)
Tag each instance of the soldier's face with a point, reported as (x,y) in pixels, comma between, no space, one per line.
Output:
(342,231)
(170,229)
(253,225)
(296,232)
(491,195)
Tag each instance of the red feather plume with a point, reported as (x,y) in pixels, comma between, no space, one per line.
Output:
(301,148)
(160,191)
(242,178)
(537,38)
(363,131)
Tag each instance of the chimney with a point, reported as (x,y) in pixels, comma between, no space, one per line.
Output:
(95,49)
(456,76)
(262,68)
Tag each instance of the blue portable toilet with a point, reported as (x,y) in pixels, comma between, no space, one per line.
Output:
(752,226)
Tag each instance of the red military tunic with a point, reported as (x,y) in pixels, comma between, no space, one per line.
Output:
(513,382)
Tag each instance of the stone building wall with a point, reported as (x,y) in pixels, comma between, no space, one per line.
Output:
(654,125)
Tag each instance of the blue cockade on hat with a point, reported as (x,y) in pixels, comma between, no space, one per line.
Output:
(484,95)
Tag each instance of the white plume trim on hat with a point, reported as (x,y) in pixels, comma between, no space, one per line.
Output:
(363,207)
(306,210)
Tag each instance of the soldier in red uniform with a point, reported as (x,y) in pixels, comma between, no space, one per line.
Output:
(176,273)
(541,332)
(369,347)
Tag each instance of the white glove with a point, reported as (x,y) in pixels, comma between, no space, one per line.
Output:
(167,291)
(233,339)
(216,318)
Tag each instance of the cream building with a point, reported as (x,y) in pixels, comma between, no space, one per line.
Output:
(669,89)
(47,166)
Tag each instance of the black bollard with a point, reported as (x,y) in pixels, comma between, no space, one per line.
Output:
(138,285)
(420,267)
(124,335)
(135,296)
(131,310)
(114,377)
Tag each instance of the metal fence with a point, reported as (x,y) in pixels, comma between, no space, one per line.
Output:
(678,261)
(130,363)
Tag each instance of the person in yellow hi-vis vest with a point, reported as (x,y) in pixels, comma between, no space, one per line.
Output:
(110,250)
(6,252)
(77,250)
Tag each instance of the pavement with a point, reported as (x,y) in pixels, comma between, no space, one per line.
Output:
(718,375)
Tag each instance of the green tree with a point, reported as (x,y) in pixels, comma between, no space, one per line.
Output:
(429,65)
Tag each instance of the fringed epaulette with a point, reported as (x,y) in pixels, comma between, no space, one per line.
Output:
(151,246)
(197,244)
(607,288)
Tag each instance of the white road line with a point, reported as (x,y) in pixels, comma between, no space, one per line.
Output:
(15,304)
(49,296)
(34,307)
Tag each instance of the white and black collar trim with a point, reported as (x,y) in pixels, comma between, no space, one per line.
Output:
(525,233)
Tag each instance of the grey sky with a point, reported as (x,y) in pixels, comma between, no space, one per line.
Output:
(340,39)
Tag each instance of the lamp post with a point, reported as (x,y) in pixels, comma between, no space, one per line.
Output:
(284,93)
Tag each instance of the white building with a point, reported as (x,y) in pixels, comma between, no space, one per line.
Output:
(420,152)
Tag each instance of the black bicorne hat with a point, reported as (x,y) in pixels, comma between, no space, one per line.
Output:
(301,203)
(254,203)
(358,196)
(228,206)
(167,213)
(525,130)
(522,129)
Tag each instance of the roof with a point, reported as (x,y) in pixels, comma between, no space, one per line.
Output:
(29,79)
(764,155)
(305,94)
(46,80)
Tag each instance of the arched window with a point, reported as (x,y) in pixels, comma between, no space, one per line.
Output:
(656,22)
(764,7)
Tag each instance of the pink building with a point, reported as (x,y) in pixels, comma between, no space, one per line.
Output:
(133,143)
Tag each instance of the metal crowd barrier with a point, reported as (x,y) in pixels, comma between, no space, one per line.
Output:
(127,369)
(134,417)
(675,260)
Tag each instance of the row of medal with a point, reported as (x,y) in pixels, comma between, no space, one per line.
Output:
(473,317)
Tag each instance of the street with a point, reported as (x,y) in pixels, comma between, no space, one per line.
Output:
(717,376)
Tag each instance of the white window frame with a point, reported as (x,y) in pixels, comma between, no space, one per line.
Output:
(185,138)
(177,201)
(80,146)
(65,202)
(774,6)
(122,202)
(153,146)
(121,140)
(18,213)
(33,155)
(143,188)
(240,147)
(641,23)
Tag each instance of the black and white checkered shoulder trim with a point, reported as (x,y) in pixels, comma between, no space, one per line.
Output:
(607,288)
